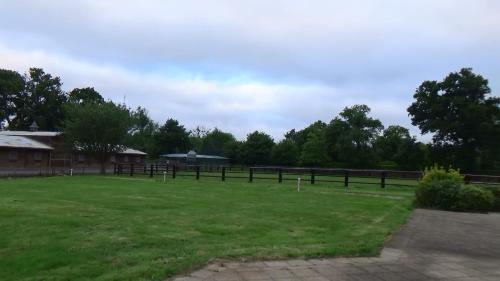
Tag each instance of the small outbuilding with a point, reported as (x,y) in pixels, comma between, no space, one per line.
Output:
(192,158)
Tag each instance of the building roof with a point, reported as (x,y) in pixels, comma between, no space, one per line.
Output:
(22,142)
(132,151)
(198,156)
(29,133)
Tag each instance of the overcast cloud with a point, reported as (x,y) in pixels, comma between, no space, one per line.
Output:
(253,65)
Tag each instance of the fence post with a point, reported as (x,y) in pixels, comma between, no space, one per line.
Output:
(280,175)
(197,172)
(382,180)
(157,168)
(346,178)
(151,171)
(250,175)
(114,168)
(166,168)
(119,169)
(223,173)
(312,176)
(131,170)
(173,171)
(145,168)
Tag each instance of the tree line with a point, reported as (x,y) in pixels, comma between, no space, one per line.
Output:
(459,111)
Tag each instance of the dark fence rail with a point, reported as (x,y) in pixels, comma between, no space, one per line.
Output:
(279,174)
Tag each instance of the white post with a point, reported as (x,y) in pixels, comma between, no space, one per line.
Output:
(298,184)
(164,176)
(71,172)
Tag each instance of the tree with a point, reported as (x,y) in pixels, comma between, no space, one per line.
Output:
(285,153)
(11,86)
(300,137)
(85,95)
(217,142)
(41,100)
(196,137)
(173,137)
(257,149)
(96,129)
(465,123)
(396,145)
(313,151)
(141,134)
(350,137)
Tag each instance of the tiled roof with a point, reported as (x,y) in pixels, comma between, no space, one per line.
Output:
(21,142)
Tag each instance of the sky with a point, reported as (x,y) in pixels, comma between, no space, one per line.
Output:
(243,66)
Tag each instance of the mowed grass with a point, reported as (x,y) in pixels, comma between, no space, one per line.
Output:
(136,228)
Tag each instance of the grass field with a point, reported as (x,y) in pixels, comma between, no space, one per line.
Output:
(136,228)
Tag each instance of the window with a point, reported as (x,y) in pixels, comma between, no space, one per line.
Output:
(112,158)
(37,156)
(13,156)
(138,159)
(81,157)
(125,158)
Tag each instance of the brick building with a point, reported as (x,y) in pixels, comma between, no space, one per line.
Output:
(29,152)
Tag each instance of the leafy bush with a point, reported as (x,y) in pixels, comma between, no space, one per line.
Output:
(436,173)
(474,198)
(441,194)
(496,194)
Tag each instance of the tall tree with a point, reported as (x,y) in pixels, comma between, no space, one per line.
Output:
(257,149)
(173,138)
(142,131)
(96,129)
(285,153)
(314,151)
(217,142)
(350,137)
(464,121)
(396,144)
(42,101)
(11,86)
(196,137)
(85,95)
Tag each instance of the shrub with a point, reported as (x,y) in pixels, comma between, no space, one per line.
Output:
(441,194)
(436,173)
(474,198)
(496,197)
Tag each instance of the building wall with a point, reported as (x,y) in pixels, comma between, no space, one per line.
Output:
(24,158)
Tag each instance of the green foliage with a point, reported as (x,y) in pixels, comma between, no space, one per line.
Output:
(437,173)
(496,197)
(218,143)
(464,121)
(41,100)
(350,137)
(11,86)
(313,152)
(285,153)
(474,198)
(97,129)
(437,193)
(396,144)
(257,148)
(141,134)
(85,95)
(172,138)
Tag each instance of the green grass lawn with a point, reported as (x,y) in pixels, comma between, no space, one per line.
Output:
(124,228)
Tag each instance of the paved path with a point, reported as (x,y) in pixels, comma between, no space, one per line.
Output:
(433,245)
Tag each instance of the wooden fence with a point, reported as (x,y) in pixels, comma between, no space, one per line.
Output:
(279,174)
